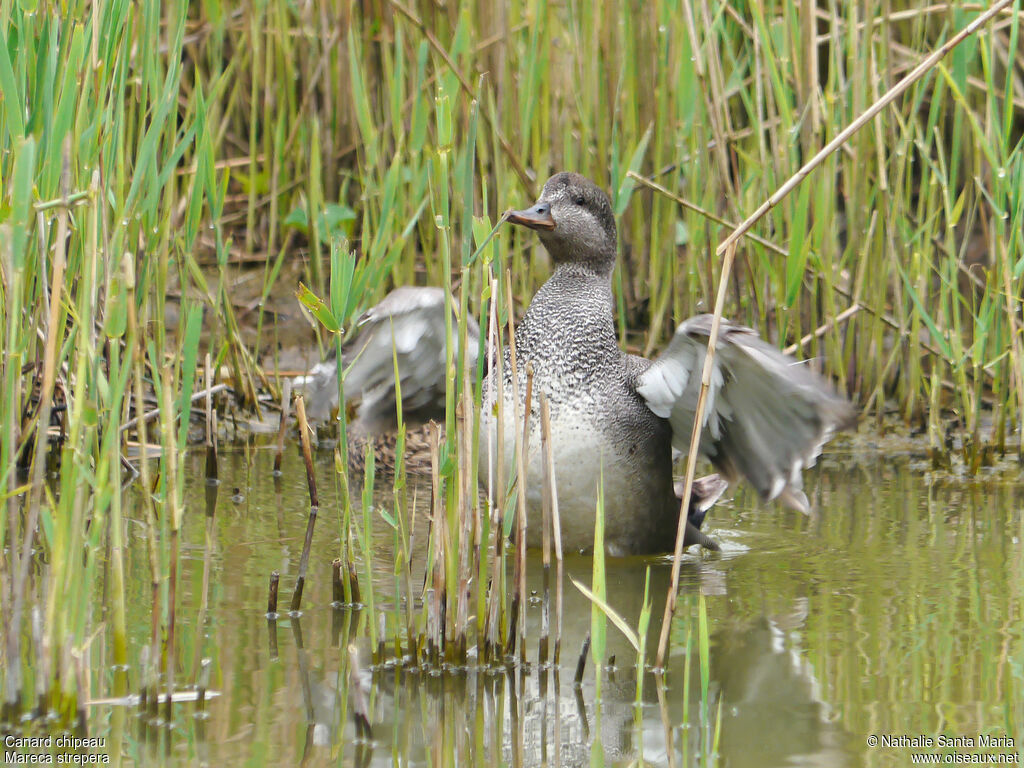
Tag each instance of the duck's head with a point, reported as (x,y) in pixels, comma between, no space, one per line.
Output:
(574,220)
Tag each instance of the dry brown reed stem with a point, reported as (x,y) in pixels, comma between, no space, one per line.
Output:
(353,582)
(19,564)
(513,157)
(435,621)
(556,528)
(887,98)
(286,399)
(465,521)
(728,248)
(314,503)
(821,330)
(307,454)
(709,215)
(911,14)
(518,598)
(337,587)
(150,415)
(666,720)
(887,320)
(691,462)
(496,483)
(521,512)
(546,502)
(468,503)
(211,424)
(173,500)
(492,365)
(137,353)
(275,578)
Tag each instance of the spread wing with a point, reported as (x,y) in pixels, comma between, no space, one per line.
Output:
(767,414)
(409,323)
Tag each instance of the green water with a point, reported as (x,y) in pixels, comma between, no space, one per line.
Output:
(894,612)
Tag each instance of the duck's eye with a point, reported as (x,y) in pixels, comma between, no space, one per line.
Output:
(579,200)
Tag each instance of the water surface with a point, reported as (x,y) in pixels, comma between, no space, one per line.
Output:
(894,612)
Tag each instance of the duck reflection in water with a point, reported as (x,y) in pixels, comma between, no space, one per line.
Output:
(768,696)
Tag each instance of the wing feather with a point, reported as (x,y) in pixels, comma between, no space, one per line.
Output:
(408,324)
(767,416)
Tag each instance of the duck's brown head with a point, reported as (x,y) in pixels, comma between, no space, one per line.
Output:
(574,220)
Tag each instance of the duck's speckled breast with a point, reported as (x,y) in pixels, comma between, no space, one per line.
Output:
(601,430)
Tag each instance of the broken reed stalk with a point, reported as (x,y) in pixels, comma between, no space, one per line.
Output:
(353,582)
(307,454)
(286,399)
(314,503)
(727,248)
(275,579)
(337,587)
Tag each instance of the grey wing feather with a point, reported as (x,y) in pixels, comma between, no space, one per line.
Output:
(767,415)
(408,324)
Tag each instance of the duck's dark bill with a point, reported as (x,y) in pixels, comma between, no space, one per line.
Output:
(538,217)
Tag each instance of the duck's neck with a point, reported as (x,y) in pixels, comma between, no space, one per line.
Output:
(582,259)
(571,318)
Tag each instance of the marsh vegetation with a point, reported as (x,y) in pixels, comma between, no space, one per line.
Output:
(202,198)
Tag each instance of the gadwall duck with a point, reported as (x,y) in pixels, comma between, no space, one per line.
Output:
(615,417)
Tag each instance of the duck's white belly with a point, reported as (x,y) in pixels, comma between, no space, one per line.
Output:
(584,461)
